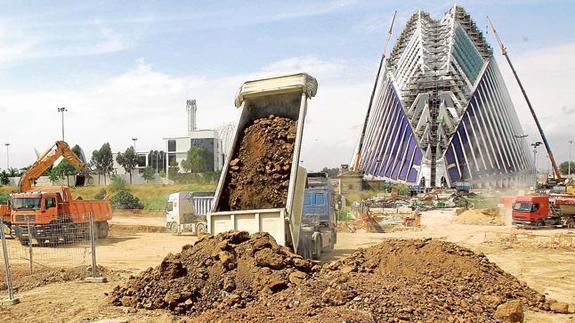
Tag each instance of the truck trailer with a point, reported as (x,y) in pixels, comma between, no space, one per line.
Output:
(286,97)
(50,215)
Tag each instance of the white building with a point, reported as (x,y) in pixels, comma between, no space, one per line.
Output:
(209,140)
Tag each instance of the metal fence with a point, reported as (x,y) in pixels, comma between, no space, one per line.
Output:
(31,249)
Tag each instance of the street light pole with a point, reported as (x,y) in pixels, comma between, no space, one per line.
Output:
(535,145)
(7,156)
(62,110)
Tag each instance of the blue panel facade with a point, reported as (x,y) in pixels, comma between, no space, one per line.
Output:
(390,148)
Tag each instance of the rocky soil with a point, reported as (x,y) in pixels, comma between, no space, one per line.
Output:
(258,176)
(230,270)
(235,277)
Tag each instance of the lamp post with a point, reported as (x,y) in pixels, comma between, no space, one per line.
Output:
(7,156)
(134,145)
(62,110)
(569,159)
(535,145)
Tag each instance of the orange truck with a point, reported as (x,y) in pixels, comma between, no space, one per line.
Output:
(541,210)
(50,215)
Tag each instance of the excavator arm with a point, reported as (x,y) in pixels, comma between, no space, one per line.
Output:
(60,149)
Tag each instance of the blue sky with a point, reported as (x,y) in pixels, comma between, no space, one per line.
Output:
(125,68)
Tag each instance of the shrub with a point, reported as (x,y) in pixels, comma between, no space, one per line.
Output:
(118,184)
(126,200)
(101,194)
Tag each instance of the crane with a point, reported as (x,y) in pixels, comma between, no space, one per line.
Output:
(47,159)
(556,170)
(356,160)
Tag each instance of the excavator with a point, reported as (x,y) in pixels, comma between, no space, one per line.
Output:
(49,214)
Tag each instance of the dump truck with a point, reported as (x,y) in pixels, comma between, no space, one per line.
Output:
(319,221)
(187,211)
(49,214)
(544,210)
(284,96)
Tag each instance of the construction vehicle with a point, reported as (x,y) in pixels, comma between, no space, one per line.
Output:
(541,210)
(283,96)
(50,214)
(319,222)
(187,211)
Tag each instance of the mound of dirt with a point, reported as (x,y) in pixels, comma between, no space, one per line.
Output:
(258,175)
(229,270)
(23,280)
(481,217)
(397,280)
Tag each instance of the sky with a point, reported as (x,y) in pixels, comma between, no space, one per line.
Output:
(124,69)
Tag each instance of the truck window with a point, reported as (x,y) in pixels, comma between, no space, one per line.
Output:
(26,204)
(50,202)
(535,207)
(522,207)
(170,206)
(319,199)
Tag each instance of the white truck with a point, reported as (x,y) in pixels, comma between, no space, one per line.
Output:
(187,211)
(284,96)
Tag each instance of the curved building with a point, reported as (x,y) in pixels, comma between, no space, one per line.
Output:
(441,112)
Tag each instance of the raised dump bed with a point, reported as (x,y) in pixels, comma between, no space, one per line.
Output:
(261,188)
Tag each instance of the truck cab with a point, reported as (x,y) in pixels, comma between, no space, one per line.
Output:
(531,210)
(319,219)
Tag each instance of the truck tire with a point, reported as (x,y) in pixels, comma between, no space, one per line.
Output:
(173,227)
(201,228)
(570,222)
(102,229)
(317,246)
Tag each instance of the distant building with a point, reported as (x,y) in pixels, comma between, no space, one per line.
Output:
(209,140)
(441,111)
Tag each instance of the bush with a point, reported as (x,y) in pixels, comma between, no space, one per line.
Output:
(118,184)
(125,200)
(4,198)
(101,194)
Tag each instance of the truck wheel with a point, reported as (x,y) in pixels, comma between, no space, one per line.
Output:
(570,223)
(173,227)
(102,230)
(201,228)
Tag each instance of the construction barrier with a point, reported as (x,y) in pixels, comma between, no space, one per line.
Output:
(32,253)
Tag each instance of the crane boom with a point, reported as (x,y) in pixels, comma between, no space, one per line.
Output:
(356,161)
(556,170)
(59,149)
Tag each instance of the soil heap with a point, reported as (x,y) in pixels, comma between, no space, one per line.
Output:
(229,270)
(258,175)
(397,280)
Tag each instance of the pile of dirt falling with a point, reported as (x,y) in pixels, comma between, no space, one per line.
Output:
(229,270)
(397,280)
(258,176)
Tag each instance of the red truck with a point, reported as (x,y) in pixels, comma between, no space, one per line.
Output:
(540,210)
(50,215)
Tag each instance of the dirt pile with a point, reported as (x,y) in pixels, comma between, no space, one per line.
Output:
(226,271)
(23,280)
(409,280)
(258,175)
(481,217)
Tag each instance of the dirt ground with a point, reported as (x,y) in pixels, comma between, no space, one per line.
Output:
(128,251)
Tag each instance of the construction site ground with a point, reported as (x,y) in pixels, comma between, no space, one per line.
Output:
(137,242)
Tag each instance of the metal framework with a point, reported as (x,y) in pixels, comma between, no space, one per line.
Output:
(441,112)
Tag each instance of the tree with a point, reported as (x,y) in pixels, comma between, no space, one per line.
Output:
(564,167)
(14,172)
(103,160)
(79,153)
(53,175)
(4,180)
(64,169)
(331,172)
(195,161)
(148,174)
(128,160)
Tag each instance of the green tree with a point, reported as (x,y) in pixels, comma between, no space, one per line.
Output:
(128,160)
(195,161)
(564,167)
(65,169)
(79,153)
(148,174)
(103,161)
(53,175)
(4,180)
(331,172)
(14,172)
